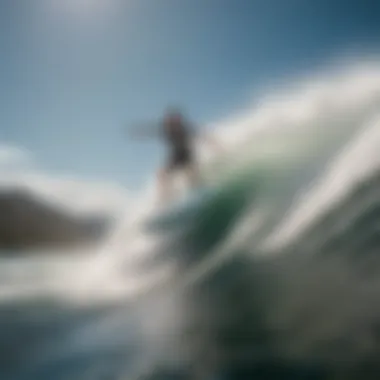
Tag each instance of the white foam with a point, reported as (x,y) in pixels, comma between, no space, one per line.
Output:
(293,125)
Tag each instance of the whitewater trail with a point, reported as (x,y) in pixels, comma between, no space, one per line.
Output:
(354,164)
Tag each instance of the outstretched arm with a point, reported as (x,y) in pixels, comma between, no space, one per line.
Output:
(209,139)
(151,130)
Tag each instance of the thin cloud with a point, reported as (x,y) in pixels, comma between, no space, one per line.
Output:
(13,157)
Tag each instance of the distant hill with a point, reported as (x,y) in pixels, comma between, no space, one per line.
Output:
(29,222)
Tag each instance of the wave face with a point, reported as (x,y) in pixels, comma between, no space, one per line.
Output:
(277,277)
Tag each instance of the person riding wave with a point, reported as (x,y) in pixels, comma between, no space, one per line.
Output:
(179,136)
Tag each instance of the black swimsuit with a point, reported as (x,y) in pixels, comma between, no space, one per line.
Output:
(179,141)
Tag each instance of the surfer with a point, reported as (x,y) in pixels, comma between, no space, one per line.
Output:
(179,135)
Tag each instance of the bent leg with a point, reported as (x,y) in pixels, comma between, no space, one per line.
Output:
(193,175)
(164,185)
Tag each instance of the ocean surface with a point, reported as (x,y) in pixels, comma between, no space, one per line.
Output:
(277,276)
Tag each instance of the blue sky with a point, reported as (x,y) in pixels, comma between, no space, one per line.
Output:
(73,72)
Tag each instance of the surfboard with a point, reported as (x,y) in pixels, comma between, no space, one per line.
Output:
(180,212)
